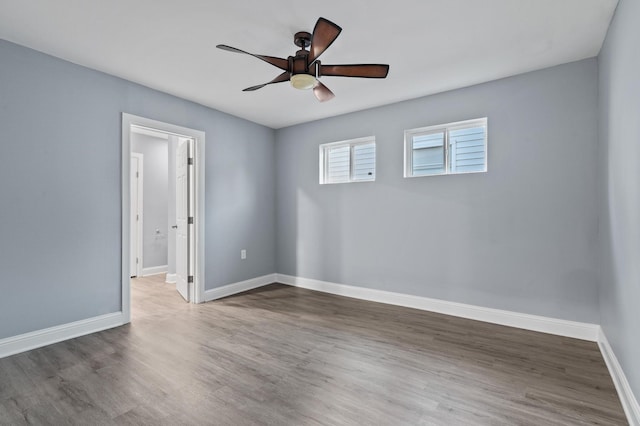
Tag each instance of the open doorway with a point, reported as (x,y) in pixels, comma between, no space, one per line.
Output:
(162,171)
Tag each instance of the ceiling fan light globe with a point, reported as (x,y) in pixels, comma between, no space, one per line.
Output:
(303,81)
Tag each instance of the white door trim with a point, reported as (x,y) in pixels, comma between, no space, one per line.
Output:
(199,154)
(138,236)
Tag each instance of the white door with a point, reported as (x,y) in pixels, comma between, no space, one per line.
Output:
(136,215)
(183,212)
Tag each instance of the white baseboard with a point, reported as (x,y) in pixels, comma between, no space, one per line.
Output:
(627,398)
(162,269)
(171,278)
(577,330)
(239,287)
(35,339)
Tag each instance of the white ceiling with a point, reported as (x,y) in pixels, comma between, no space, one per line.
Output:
(432,46)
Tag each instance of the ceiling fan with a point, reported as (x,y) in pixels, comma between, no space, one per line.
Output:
(304,69)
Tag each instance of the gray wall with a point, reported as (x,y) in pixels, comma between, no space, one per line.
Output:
(619,190)
(155,184)
(520,237)
(60,169)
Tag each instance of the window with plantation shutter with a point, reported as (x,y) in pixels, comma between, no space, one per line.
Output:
(446,149)
(348,161)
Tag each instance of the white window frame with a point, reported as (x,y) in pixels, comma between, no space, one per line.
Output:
(351,143)
(443,128)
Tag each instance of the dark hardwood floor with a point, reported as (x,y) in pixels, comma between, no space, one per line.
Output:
(286,356)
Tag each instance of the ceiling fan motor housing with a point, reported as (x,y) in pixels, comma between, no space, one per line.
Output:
(298,64)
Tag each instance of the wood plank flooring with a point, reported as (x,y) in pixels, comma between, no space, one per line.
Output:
(287,356)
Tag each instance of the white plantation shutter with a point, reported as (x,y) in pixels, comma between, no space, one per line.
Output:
(364,161)
(348,161)
(338,169)
(467,152)
(428,154)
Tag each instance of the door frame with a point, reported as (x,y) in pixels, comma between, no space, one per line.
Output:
(138,237)
(198,136)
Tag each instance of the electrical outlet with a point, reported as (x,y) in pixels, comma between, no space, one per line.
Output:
(243,254)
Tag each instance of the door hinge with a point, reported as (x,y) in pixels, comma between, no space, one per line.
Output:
(137,174)
(137,217)
(137,261)
(190,161)
(190,220)
(190,279)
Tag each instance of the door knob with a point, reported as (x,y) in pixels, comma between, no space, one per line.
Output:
(174,226)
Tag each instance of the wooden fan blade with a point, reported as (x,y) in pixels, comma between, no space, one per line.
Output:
(279,79)
(283,64)
(324,34)
(323,93)
(356,70)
